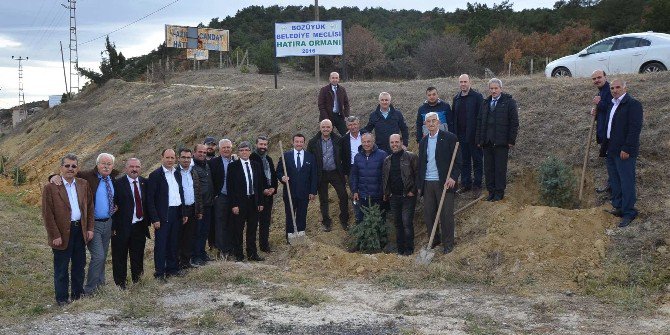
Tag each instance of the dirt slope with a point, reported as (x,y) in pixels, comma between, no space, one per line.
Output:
(515,242)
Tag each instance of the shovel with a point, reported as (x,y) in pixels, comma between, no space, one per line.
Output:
(296,237)
(586,159)
(426,254)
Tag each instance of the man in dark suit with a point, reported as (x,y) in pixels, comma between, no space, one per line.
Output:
(191,208)
(302,178)
(245,191)
(164,206)
(601,113)
(260,156)
(222,221)
(130,229)
(334,103)
(624,125)
(67,210)
(435,152)
(467,105)
(497,127)
(326,148)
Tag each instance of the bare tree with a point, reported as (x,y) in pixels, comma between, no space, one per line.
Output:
(443,56)
(363,53)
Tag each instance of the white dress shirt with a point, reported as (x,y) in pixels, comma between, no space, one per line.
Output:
(71,189)
(132,191)
(173,188)
(615,103)
(355,143)
(295,158)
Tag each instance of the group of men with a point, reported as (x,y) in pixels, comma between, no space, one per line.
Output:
(196,197)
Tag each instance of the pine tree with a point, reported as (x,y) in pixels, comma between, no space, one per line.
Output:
(371,235)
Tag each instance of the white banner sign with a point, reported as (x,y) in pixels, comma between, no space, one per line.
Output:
(308,38)
(197,54)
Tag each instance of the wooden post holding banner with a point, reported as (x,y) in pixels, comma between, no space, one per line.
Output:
(586,158)
(531,66)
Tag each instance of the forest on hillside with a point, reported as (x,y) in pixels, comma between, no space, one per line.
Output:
(408,44)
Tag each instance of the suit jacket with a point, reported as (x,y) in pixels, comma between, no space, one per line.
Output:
(444,149)
(158,199)
(197,190)
(237,184)
(91,177)
(56,211)
(326,101)
(626,127)
(272,183)
(303,182)
(314,147)
(218,174)
(506,117)
(125,201)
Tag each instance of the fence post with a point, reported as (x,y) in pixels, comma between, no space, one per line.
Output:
(531,66)
(509,69)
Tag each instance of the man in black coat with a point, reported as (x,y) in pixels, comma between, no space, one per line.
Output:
(326,148)
(333,103)
(245,192)
(130,228)
(222,222)
(260,156)
(497,128)
(435,152)
(624,125)
(467,105)
(165,198)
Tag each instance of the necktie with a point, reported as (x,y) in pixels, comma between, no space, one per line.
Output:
(493,103)
(335,106)
(110,196)
(298,165)
(249,182)
(139,212)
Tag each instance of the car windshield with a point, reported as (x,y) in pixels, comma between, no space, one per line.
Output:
(603,46)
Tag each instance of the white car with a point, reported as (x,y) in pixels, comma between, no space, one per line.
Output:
(627,53)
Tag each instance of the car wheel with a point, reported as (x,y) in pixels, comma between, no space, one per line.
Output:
(561,72)
(653,67)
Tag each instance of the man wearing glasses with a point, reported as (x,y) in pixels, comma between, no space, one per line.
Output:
(67,210)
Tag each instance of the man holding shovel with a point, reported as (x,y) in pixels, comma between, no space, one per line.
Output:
(301,176)
(435,152)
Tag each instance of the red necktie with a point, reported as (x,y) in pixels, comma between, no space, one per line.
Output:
(138,201)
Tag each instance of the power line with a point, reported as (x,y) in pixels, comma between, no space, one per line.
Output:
(131,23)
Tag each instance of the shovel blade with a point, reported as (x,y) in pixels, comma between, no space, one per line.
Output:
(297,238)
(425,256)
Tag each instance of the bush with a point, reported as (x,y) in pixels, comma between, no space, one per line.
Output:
(371,235)
(18,176)
(3,164)
(557,183)
(264,57)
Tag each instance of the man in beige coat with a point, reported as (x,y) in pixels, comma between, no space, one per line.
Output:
(67,210)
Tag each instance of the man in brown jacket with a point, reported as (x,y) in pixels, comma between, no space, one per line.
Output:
(333,103)
(67,210)
(398,179)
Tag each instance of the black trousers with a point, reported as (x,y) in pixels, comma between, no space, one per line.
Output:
(128,242)
(495,168)
(223,223)
(264,222)
(337,180)
(248,216)
(403,217)
(340,124)
(187,237)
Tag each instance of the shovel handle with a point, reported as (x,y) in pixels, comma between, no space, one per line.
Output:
(586,158)
(444,193)
(288,189)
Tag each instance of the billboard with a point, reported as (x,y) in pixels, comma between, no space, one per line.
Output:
(197,54)
(212,39)
(183,37)
(308,38)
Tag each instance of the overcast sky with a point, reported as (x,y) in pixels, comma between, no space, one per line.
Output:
(33,28)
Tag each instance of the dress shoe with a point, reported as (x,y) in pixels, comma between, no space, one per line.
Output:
(255,258)
(491,196)
(161,279)
(266,249)
(476,192)
(194,264)
(604,189)
(463,189)
(625,222)
(327,228)
(408,252)
(345,226)
(239,259)
(448,250)
(497,198)
(62,303)
(616,212)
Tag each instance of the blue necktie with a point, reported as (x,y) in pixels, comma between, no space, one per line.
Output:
(493,103)
(298,164)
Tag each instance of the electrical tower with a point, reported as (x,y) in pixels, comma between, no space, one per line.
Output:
(22,98)
(74,57)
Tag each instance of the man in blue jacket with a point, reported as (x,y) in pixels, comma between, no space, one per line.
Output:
(365,180)
(601,112)
(436,105)
(624,125)
(385,121)
(467,105)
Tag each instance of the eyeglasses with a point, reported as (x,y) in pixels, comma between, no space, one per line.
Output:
(185,157)
(244,149)
(67,166)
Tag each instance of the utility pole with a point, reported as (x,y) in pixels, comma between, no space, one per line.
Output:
(74,57)
(22,98)
(62,58)
(316,58)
